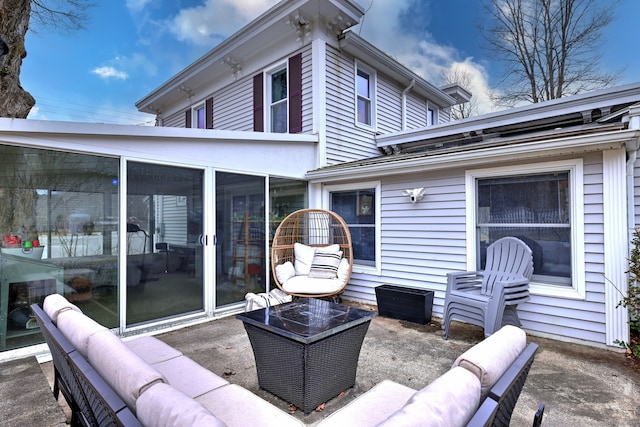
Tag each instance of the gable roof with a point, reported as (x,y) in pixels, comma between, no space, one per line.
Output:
(288,20)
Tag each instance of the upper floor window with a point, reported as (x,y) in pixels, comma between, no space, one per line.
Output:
(365,96)
(278,101)
(199,116)
(432,116)
(277,98)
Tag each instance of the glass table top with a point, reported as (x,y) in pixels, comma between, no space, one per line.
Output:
(307,319)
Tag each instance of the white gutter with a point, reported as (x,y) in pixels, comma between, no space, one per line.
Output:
(404,103)
(420,163)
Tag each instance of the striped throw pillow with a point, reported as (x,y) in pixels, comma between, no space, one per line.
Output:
(325,264)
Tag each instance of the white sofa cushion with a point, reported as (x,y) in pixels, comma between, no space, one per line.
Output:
(490,358)
(54,304)
(188,376)
(237,406)
(125,371)
(304,257)
(152,350)
(164,406)
(307,285)
(371,407)
(325,264)
(285,271)
(78,329)
(343,270)
(450,400)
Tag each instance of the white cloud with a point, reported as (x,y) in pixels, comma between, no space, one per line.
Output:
(107,72)
(137,5)
(420,53)
(215,20)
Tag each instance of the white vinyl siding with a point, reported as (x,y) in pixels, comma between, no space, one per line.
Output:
(416,111)
(388,106)
(307,90)
(422,242)
(175,120)
(233,106)
(345,141)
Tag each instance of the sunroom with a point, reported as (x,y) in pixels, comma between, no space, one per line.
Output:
(141,227)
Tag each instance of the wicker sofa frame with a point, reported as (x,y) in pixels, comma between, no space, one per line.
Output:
(92,401)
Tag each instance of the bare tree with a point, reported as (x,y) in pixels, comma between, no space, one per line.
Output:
(550,47)
(457,75)
(64,15)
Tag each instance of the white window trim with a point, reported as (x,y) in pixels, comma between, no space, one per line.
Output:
(267,94)
(194,116)
(576,186)
(373,84)
(436,114)
(326,198)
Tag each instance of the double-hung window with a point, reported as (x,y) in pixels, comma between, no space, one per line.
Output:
(365,96)
(277,98)
(199,117)
(540,205)
(278,108)
(432,116)
(358,206)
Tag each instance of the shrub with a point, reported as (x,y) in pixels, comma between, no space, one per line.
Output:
(631,301)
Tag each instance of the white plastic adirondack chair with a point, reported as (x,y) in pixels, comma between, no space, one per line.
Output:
(489,298)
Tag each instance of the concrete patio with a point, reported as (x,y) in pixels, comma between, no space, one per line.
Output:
(579,385)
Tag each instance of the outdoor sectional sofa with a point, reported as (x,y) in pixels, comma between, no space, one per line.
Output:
(146,382)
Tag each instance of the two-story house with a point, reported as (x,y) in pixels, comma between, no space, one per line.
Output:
(148,227)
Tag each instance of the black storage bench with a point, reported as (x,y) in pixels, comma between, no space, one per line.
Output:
(404,303)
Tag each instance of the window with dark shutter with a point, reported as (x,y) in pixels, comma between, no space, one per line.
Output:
(258,103)
(187,118)
(209,113)
(295,94)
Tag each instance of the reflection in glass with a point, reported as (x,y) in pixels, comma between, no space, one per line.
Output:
(240,236)
(358,209)
(534,208)
(58,222)
(164,241)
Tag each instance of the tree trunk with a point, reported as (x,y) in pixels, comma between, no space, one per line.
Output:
(14,22)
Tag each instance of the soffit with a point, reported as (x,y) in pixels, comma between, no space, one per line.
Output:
(287,22)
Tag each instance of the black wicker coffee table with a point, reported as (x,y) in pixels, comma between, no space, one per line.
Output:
(306,351)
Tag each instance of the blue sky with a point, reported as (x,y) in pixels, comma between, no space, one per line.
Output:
(131,47)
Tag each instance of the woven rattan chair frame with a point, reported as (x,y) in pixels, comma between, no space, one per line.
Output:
(311,227)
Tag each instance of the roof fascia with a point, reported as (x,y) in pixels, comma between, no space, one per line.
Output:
(540,111)
(521,151)
(250,32)
(48,129)
(376,58)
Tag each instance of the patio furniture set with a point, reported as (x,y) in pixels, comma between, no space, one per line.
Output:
(146,382)
(306,350)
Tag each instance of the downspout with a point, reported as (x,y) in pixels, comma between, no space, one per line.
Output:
(404,103)
(632,154)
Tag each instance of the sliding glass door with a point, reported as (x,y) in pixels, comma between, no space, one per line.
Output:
(240,237)
(164,242)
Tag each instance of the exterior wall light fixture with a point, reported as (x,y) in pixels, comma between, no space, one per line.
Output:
(415,194)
